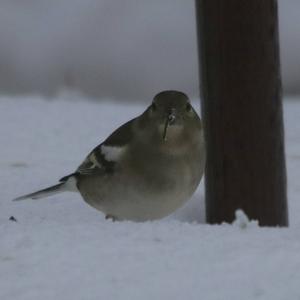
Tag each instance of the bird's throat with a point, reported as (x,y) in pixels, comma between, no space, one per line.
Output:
(165,130)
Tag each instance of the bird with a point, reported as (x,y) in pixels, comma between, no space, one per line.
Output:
(147,168)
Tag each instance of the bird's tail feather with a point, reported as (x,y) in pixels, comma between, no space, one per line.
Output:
(68,185)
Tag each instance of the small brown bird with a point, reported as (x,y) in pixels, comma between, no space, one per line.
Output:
(147,168)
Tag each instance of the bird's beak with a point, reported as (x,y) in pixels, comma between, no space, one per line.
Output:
(169,121)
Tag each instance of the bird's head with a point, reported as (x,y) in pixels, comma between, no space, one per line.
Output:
(170,118)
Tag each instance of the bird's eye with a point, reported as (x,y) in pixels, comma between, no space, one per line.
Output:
(188,107)
(153,106)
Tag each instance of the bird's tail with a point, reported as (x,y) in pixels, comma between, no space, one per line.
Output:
(68,184)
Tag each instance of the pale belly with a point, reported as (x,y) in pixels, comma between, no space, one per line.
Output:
(141,204)
(140,198)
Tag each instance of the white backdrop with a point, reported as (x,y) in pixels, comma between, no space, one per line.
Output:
(120,49)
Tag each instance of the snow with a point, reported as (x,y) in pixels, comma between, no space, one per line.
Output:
(60,248)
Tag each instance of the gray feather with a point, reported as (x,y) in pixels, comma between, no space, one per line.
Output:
(65,186)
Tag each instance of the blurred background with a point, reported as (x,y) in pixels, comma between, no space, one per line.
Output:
(117,49)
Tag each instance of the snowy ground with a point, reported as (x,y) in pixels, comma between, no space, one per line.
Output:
(60,248)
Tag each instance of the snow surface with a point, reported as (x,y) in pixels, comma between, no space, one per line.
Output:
(60,248)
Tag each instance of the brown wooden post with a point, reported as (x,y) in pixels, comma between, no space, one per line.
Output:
(242,110)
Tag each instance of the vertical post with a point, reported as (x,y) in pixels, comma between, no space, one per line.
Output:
(241,104)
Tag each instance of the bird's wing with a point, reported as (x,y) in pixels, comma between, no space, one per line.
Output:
(103,158)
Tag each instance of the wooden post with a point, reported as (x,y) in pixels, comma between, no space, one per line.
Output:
(242,110)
